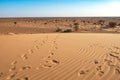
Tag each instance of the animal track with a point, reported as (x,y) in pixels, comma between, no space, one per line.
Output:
(83,72)
(1,74)
(14,62)
(24,56)
(30,51)
(11,76)
(55,61)
(101,73)
(47,62)
(25,68)
(12,68)
(96,62)
(109,62)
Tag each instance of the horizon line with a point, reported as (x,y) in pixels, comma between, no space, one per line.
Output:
(64,17)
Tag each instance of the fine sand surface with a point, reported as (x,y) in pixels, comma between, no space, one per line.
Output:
(60,56)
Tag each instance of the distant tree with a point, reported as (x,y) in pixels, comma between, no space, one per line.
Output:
(76,23)
(101,22)
(15,23)
(74,20)
(58,30)
(94,23)
(45,23)
(83,21)
(112,24)
(76,26)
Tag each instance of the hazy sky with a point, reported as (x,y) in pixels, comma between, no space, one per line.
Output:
(59,8)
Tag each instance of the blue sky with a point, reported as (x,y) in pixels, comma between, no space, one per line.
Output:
(59,8)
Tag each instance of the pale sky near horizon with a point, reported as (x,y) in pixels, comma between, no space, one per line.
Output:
(59,8)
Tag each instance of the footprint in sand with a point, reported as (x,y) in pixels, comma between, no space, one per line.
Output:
(30,51)
(51,53)
(117,70)
(83,72)
(25,78)
(96,62)
(14,62)
(12,68)
(36,47)
(56,47)
(1,74)
(99,68)
(55,61)
(25,68)
(43,42)
(24,56)
(48,57)
(17,79)
(11,76)
(116,47)
(101,73)
(106,60)
(114,52)
(113,55)
(46,66)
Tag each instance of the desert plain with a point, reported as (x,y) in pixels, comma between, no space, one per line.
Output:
(60,48)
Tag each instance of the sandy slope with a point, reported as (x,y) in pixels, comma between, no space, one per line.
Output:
(60,56)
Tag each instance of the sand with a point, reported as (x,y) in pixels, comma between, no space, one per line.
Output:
(60,56)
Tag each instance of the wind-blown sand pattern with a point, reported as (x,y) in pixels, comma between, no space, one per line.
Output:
(60,56)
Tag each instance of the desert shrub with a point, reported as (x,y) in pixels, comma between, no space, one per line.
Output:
(45,23)
(58,30)
(76,26)
(15,23)
(74,20)
(94,23)
(101,22)
(119,24)
(76,23)
(112,24)
(83,21)
(67,30)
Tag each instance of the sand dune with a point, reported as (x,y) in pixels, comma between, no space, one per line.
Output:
(80,56)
